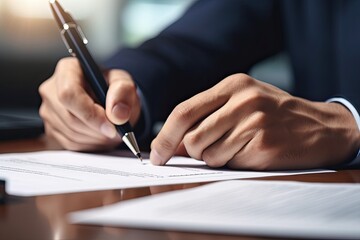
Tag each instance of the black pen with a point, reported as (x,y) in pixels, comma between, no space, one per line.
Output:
(75,42)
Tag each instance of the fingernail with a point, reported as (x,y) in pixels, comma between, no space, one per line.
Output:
(108,130)
(121,111)
(155,158)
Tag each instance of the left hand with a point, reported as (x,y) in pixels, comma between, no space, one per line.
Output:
(247,124)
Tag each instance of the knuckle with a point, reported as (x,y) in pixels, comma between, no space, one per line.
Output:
(44,88)
(237,82)
(258,99)
(65,62)
(123,91)
(164,144)
(261,119)
(192,147)
(191,139)
(64,95)
(123,74)
(116,75)
(211,160)
(67,94)
(242,79)
(246,80)
(89,115)
(183,112)
(125,86)
(43,112)
(129,86)
(255,95)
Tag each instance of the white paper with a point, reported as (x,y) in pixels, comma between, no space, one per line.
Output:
(53,172)
(262,208)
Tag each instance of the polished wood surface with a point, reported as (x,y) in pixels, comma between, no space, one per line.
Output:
(44,217)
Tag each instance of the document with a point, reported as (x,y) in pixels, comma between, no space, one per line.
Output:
(261,208)
(54,172)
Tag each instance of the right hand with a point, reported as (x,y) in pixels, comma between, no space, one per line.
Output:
(74,119)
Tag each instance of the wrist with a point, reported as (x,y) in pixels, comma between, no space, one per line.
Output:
(347,128)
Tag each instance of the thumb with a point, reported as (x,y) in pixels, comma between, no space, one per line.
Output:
(121,97)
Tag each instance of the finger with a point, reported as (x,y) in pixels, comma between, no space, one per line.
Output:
(75,146)
(48,130)
(209,130)
(71,125)
(72,94)
(224,150)
(181,150)
(70,133)
(68,73)
(184,116)
(246,158)
(52,108)
(121,98)
(265,152)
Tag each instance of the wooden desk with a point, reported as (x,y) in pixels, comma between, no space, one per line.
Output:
(44,217)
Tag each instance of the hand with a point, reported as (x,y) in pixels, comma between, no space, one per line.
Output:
(74,119)
(247,124)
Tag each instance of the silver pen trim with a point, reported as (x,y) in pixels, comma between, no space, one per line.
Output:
(130,141)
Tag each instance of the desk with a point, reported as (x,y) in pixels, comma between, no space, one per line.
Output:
(43,217)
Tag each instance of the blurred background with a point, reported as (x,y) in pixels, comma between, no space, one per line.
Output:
(30,44)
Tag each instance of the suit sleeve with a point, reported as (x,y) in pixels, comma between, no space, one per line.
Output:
(213,39)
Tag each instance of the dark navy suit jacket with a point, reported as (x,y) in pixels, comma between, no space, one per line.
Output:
(217,38)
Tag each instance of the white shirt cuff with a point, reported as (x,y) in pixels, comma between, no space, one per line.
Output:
(355,113)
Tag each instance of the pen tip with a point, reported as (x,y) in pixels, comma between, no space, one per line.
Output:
(139,157)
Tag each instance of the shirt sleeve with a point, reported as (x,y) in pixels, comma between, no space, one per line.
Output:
(352,109)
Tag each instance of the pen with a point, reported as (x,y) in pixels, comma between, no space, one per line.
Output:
(76,42)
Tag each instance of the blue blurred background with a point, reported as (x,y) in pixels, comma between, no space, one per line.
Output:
(30,44)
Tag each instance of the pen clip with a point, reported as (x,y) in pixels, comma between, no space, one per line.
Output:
(70,50)
(66,27)
(73,23)
(81,33)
